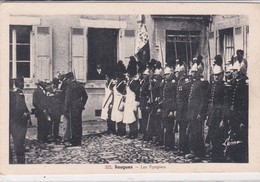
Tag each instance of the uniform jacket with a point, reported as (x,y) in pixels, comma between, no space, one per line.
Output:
(183,88)
(76,97)
(144,93)
(197,101)
(54,101)
(18,107)
(168,97)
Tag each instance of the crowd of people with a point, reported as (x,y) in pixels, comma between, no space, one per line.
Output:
(152,102)
(155,103)
(61,100)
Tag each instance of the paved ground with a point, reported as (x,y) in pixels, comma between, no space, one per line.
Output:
(100,148)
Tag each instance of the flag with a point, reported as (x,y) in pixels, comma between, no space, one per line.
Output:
(142,48)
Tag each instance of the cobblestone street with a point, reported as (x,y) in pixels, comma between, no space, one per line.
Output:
(100,148)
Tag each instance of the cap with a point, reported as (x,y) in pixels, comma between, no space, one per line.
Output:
(18,80)
(217,69)
(69,75)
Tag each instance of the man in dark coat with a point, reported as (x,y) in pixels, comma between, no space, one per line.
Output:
(167,106)
(216,114)
(41,112)
(196,114)
(75,100)
(19,115)
(183,87)
(54,103)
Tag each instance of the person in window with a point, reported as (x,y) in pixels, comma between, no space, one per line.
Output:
(242,61)
(200,64)
(75,100)
(19,116)
(98,73)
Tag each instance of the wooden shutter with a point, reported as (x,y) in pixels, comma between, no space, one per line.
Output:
(78,53)
(129,36)
(43,53)
(238,36)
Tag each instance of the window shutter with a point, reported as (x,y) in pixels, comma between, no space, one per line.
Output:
(129,43)
(78,53)
(43,53)
(238,36)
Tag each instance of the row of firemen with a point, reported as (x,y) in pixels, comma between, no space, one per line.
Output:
(62,99)
(156,102)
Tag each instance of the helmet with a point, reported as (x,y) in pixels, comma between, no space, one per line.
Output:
(167,70)
(157,71)
(217,69)
(194,67)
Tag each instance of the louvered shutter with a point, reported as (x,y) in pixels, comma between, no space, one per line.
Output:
(43,53)
(78,53)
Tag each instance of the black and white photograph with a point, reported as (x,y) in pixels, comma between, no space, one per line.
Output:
(128,91)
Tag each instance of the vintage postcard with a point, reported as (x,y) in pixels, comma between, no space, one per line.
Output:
(101,88)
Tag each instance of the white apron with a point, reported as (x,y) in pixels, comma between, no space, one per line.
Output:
(130,107)
(107,100)
(117,115)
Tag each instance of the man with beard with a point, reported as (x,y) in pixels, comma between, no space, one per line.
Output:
(75,100)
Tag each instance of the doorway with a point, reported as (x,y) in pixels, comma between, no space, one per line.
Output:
(102,50)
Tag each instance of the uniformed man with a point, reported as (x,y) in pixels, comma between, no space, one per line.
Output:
(19,116)
(132,101)
(196,114)
(237,143)
(107,104)
(41,112)
(153,128)
(75,100)
(167,107)
(144,97)
(183,88)
(216,113)
(117,112)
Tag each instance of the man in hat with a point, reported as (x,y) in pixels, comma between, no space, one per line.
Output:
(196,113)
(183,87)
(41,111)
(19,116)
(75,100)
(216,113)
(167,106)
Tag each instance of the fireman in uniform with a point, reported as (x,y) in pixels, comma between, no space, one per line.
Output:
(144,97)
(237,142)
(153,126)
(19,115)
(196,114)
(132,98)
(183,86)
(107,104)
(167,107)
(117,112)
(216,112)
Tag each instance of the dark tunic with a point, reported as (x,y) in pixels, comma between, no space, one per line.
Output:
(183,89)
(40,103)
(197,105)
(75,100)
(18,123)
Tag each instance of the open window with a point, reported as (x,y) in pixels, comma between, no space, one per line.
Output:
(226,44)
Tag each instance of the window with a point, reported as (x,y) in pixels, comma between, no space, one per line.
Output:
(181,44)
(226,42)
(20,51)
